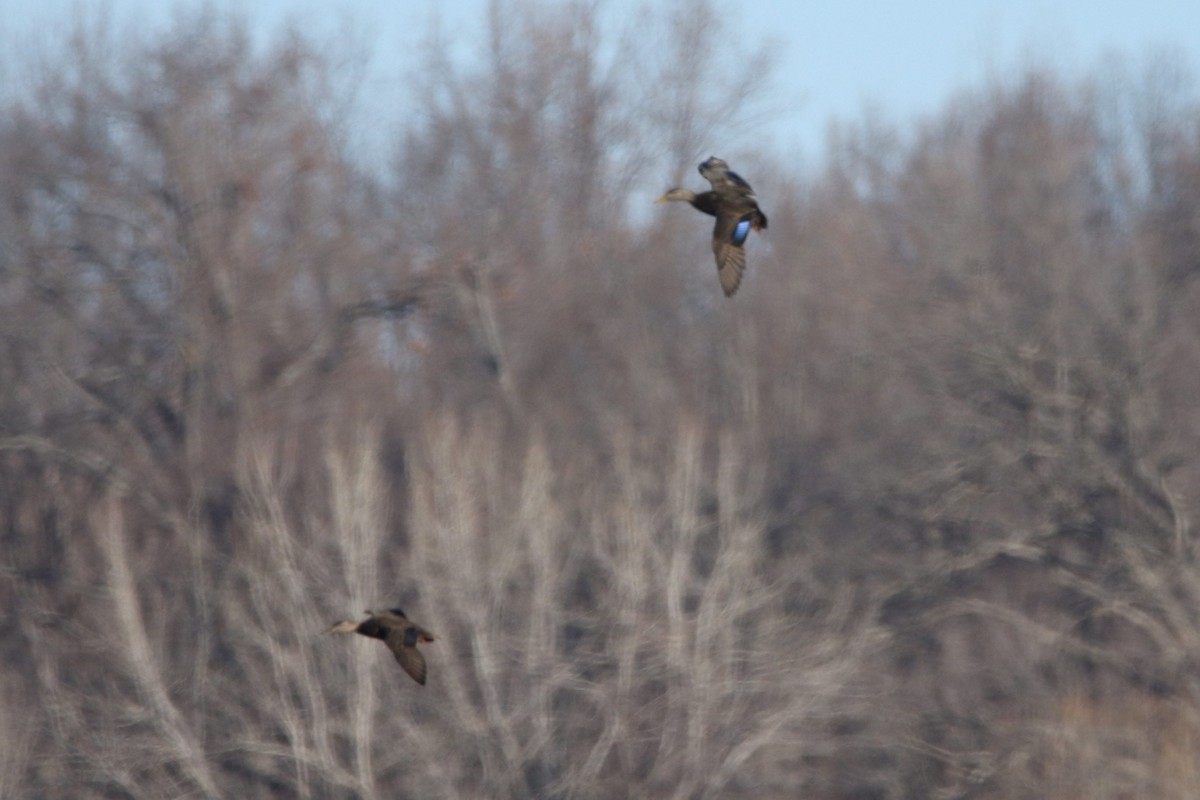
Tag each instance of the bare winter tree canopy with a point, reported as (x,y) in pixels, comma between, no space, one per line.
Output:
(911,516)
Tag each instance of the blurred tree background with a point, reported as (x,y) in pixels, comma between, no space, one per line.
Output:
(910,517)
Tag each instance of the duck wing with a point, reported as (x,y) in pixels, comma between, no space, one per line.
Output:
(403,644)
(724,180)
(729,238)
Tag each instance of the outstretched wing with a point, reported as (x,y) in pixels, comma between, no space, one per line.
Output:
(402,643)
(729,236)
(737,180)
(724,180)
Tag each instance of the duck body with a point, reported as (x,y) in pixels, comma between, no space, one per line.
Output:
(398,632)
(733,203)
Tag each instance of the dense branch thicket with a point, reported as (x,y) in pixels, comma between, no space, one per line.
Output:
(910,517)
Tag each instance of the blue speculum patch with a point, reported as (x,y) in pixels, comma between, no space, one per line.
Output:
(741,231)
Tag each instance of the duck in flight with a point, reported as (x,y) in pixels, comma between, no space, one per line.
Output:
(733,203)
(398,632)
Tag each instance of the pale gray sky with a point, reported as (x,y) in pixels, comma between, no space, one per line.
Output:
(835,56)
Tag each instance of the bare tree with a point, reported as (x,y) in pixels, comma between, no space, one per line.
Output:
(913,517)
